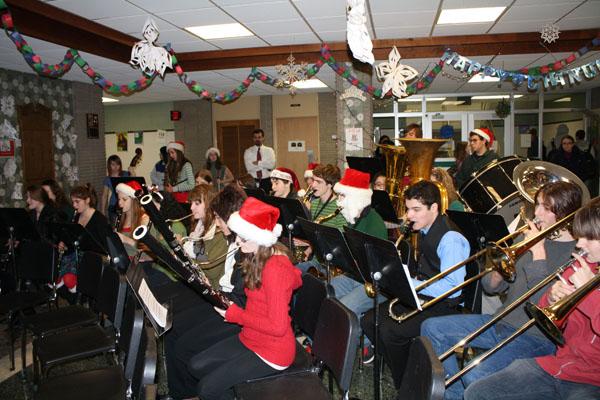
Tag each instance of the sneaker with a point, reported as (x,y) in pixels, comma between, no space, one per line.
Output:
(368,355)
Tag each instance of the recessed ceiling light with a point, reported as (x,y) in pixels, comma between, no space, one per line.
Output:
(453,102)
(480,78)
(418,99)
(221,31)
(469,15)
(495,97)
(108,100)
(563,100)
(313,83)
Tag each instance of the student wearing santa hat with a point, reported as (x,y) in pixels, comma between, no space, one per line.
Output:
(179,176)
(480,141)
(132,214)
(266,343)
(284,183)
(221,175)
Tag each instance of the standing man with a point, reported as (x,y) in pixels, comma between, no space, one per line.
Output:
(480,140)
(260,161)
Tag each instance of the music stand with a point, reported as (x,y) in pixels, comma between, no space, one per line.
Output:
(255,192)
(118,255)
(160,315)
(371,165)
(380,201)
(75,235)
(290,210)
(478,228)
(17,225)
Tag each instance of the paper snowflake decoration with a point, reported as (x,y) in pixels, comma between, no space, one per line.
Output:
(292,72)
(357,34)
(549,33)
(148,56)
(394,74)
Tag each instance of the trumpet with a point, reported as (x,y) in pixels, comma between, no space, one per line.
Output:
(499,258)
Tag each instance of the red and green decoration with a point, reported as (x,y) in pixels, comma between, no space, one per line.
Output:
(539,73)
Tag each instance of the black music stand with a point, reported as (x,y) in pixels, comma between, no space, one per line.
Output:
(118,255)
(380,201)
(478,228)
(17,225)
(371,165)
(159,315)
(290,210)
(385,268)
(75,235)
(255,192)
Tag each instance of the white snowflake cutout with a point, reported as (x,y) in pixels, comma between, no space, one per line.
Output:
(7,104)
(549,33)
(73,140)
(8,131)
(10,167)
(59,143)
(55,114)
(17,192)
(394,74)
(66,122)
(66,160)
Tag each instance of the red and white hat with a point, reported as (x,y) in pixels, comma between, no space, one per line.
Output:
(256,221)
(355,185)
(486,134)
(286,174)
(129,189)
(177,145)
(309,171)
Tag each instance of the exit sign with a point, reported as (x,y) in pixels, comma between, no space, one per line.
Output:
(175,115)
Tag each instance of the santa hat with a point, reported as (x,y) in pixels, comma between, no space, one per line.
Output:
(177,145)
(256,221)
(213,150)
(355,185)
(129,189)
(486,134)
(286,174)
(309,171)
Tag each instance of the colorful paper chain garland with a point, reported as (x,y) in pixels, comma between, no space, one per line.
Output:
(72,56)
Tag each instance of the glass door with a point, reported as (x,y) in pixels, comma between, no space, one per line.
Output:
(503,143)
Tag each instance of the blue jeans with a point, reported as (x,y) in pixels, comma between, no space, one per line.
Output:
(444,332)
(306,265)
(525,379)
(352,294)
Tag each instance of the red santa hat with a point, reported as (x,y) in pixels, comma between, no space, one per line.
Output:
(355,185)
(129,189)
(286,174)
(256,221)
(309,171)
(177,145)
(486,134)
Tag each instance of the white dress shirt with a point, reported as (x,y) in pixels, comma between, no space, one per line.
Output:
(266,164)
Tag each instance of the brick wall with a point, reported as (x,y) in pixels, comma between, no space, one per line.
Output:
(327,128)
(195,129)
(266,119)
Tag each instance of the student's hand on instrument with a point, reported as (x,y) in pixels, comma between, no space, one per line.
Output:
(221,311)
(559,290)
(582,274)
(538,251)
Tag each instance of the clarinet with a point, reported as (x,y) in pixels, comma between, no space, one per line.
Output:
(182,268)
(165,230)
(117,223)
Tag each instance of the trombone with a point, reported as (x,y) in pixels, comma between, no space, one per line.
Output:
(498,258)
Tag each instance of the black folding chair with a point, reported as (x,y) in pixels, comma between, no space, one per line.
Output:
(424,380)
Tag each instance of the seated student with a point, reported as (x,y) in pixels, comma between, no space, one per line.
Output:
(441,246)
(379,181)
(413,131)
(284,183)
(480,142)
(308,180)
(553,202)
(571,371)
(266,343)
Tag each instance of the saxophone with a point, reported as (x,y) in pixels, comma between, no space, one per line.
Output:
(327,217)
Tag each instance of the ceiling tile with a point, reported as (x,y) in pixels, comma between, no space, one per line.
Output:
(328,23)
(176,35)
(462,29)
(133,25)
(332,36)
(402,32)
(97,9)
(395,6)
(195,45)
(158,6)
(475,3)
(238,43)
(291,39)
(535,13)
(197,17)
(411,18)
(279,27)
(321,8)
(261,12)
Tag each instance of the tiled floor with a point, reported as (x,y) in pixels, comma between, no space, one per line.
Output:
(13,388)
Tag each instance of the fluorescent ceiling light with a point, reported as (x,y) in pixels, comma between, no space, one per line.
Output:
(109,100)
(453,102)
(495,97)
(469,15)
(313,83)
(221,31)
(418,99)
(480,78)
(563,100)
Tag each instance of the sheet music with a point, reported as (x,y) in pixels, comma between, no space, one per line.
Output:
(418,301)
(157,310)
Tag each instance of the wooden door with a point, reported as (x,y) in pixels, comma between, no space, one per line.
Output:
(233,137)
(295,130)
(35,124)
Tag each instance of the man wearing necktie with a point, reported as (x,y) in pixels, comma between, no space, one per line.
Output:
(260,161)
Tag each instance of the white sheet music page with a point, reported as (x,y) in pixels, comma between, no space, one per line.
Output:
(412,287)
(157,310)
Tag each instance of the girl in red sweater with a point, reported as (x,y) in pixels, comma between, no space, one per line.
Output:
(266,343)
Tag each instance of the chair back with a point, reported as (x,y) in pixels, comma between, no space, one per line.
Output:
(309,298)
(36,261)
(111,299)
(336,340)
(424,380)
(89,273)
(145,365)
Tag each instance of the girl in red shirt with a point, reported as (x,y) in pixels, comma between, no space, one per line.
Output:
(266,343)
